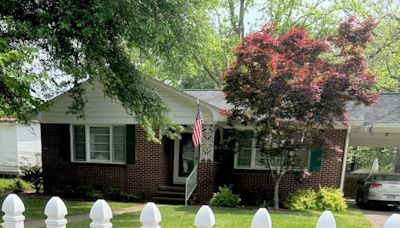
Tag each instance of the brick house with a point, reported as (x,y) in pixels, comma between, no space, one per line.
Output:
(108,149)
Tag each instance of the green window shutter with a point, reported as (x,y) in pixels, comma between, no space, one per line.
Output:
(316,159)
(130,144)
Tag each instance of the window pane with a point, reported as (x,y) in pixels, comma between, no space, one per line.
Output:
(260,158)
(99,138)
(119,143)
(244,158)
(100,130)
(79,143)
(80,152)
(100,143)
(100,156)
(245,143)
(302,159)
(244,162)
(100,148)
(245,139)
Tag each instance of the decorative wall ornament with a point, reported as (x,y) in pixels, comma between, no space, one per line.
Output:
(207,145)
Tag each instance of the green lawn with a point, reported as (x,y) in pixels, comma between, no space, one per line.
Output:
(34,207)
(181,216)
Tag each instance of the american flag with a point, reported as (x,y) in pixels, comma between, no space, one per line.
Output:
(198,125)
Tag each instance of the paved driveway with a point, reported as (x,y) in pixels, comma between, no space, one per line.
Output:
(376,216)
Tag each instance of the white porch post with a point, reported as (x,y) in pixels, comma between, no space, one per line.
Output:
(345,153)
(207,144)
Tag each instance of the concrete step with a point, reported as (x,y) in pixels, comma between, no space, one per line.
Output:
(172,188)
(171,194)
(169,200)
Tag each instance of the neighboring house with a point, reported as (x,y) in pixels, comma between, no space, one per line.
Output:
(19,144)
(108,149)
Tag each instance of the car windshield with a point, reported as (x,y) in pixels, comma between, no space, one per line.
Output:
(386,177)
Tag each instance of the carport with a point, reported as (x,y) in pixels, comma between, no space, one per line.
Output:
(375,126)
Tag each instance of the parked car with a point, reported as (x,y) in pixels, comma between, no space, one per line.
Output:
(381,189)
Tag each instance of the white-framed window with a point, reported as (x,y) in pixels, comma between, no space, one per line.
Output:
(98,143)
(248,156)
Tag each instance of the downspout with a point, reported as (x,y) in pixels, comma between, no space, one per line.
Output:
(346,150)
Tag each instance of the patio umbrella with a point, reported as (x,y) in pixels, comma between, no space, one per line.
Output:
(375,166)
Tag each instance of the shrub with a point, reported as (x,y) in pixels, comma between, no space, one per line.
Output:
(15,185)
(331,199)
(225,198)
(33,174)
(87,192)
(65,190)
(5,184)
(118,195)
(302,199)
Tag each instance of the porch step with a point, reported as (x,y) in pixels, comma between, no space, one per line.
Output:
(172,188)
(172,194)
(169,200)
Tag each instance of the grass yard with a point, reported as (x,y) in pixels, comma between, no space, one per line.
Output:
(181,216)
(34,206)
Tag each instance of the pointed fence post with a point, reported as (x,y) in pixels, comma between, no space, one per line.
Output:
(13,207)
(392,222)
(55,211)
(261,219)
(150,217)
(326,220)
(204,217)
(101,215)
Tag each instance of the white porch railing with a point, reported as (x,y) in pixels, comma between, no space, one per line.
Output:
(190,184)
(150,217)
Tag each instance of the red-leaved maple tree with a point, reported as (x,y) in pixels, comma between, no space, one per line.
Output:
(291,87)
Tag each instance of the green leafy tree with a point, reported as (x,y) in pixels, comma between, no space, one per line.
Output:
(321,16)
(87,39)
(16,99)
(362,157)
(290,87)
(200,62)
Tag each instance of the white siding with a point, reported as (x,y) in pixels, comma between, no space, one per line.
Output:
(29,144)
(8,147)
(100,109)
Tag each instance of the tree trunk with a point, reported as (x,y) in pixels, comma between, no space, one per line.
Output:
(397,161)
(277,181)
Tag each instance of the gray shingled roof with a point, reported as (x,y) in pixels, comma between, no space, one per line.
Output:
(213,97)
(385,110)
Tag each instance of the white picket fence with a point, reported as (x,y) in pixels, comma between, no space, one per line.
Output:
(150,217)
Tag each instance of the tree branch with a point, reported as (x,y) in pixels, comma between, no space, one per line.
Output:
(210,74)
(232,17)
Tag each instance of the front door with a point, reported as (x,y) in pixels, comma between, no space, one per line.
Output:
(184,158)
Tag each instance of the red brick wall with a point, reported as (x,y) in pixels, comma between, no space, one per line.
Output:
(257,185)
(152,169)
(141,178)
(207,181)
